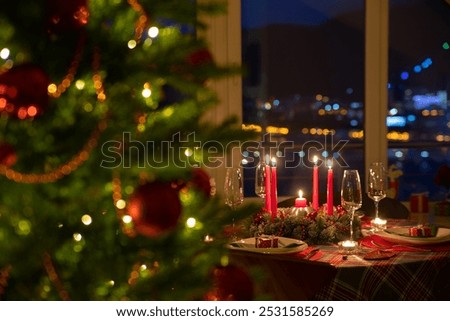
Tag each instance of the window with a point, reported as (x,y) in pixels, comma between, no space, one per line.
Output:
(390,30)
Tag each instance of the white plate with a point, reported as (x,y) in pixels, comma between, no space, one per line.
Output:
(400,235)
(285,245)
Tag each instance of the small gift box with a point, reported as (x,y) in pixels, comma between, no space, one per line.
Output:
(442,209)
(419,203)
(266,241)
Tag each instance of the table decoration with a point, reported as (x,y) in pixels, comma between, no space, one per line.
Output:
(330,188)
(315,195)
(313,227)
(351,200)
(300,201)
(284,245)
(348,246)
(400,235)
(273,187)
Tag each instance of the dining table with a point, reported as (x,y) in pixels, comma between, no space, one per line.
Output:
(384,267)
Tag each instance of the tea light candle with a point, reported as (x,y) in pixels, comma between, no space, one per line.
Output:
(348,246)
(300,201)
(378,223)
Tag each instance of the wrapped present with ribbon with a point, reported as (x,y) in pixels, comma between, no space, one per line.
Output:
(418,203)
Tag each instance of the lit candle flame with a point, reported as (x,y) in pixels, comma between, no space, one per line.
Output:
(330,163)
(315,160)
(300,193)
(274,161)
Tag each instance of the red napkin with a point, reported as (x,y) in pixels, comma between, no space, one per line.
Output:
(310,253)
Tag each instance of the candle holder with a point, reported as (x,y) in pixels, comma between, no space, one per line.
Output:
(302,211)
(378,224)
(348,247)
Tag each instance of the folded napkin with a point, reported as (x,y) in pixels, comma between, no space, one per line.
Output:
(375,241)
(310,253)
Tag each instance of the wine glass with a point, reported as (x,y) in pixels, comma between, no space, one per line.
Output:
(260,179)
(351,200)
(377,187)
(234,192)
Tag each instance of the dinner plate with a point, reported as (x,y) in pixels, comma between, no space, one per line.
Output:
(285,245)
(401,235)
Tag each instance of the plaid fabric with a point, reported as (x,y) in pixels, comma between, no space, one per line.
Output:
(415,275)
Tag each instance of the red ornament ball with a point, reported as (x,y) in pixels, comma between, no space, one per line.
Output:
(23,91)
(155,208)
(8,156)
(68,15)
(230,283)
(201,181)
(200,57)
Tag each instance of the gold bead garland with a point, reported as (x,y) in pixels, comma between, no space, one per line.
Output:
(62,170)
(54,277)
(142,20)
(56,90)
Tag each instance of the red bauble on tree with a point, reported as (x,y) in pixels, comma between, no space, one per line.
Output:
(67,15)
(23,91)
(8,156)
(199,180)
(231,283)
(155,208)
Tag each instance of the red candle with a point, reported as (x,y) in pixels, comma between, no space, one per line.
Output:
(267,189)
(315,196)
(273,188)
(330,189)
(300,201)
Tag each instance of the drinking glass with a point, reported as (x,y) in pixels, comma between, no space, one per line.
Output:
(351,200)
(377,186)
(260,179)
(234,193)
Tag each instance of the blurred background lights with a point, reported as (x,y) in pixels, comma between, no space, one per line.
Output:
(120,204)
(132,44)
(190,222)
(79,84)
(126,219)
(153,32)
(404,75)
(4,53)
(86,219)
(146,92)
(417,69)
(424,154)
(399,154)
(445,46)
(77,237)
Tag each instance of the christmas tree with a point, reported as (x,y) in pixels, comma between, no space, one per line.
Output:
(105,192)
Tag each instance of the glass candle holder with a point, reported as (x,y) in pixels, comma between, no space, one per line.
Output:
(348,247)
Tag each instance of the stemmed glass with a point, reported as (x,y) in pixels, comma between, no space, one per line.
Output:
(351,200)
(234,192)
(377,187)
(260,179)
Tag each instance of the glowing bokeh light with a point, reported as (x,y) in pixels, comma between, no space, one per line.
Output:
(153,32)
(191,222)
(86,219)
(4,53)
